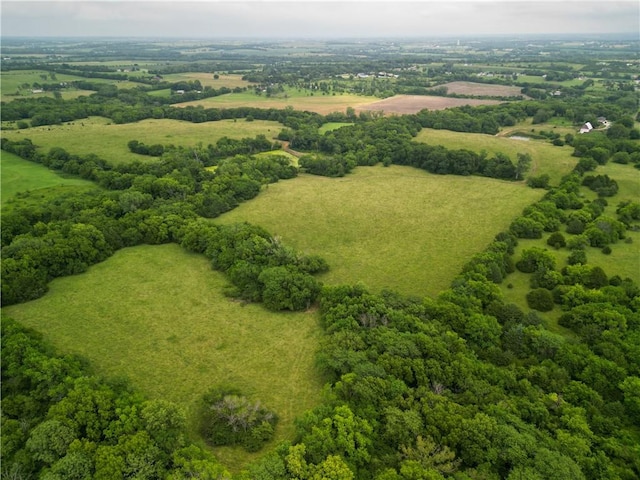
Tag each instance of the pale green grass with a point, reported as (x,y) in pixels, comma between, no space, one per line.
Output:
(18,175)
(546,158)
(299,100)
(109,141)
(157,315)
(329,126)
(397,227)
(292,158)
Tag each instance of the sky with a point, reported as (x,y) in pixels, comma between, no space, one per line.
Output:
(315,19)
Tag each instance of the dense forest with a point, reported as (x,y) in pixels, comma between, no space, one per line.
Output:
(465,385)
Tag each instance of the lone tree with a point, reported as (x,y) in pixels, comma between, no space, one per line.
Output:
(229,418)
(522,165)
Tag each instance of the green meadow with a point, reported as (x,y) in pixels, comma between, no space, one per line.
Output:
(546,158)
(295,98)
(397,227)
(101,137)
(157,316)
(19,175)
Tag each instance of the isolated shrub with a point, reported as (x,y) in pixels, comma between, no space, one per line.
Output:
(556,240)
(603,185)
(534,259)
(577,257)
(525,227)
(578,242)
(541,181)
(540,299)
(229,418)
(606,250)
(596,278)
(575,226)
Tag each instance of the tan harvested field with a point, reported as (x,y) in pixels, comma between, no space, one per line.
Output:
(481,89)
(408,104)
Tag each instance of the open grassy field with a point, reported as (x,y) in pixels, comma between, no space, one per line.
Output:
(397,227)
(157,315)
(547,158)
(19,175)
(299,100)
(109,141)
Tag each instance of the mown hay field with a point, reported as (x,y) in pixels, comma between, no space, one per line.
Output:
(397,227)
(157,316)
(109,141)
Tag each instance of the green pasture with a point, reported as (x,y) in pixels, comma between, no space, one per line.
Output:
(547,158)
(329,126)
(157,316)
(397,227)
(99,136)
(18,84)
(298,99)
(18,175)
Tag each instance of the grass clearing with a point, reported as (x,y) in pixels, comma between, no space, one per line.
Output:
(397,227)
(157,315)
(547,158)
(99,136)
(19,175)
(330,126)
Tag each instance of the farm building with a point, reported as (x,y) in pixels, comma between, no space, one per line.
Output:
(586,128)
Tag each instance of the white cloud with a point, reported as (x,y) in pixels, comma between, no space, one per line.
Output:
(289,18)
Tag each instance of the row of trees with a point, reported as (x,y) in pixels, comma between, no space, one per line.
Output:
(150,203)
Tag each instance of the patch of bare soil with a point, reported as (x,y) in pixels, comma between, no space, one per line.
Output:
(481,89)
(409,104)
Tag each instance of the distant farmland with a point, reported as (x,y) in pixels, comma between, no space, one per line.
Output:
(100,136)
(408,104)
(481,89)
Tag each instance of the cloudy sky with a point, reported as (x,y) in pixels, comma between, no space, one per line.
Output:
(320,19)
